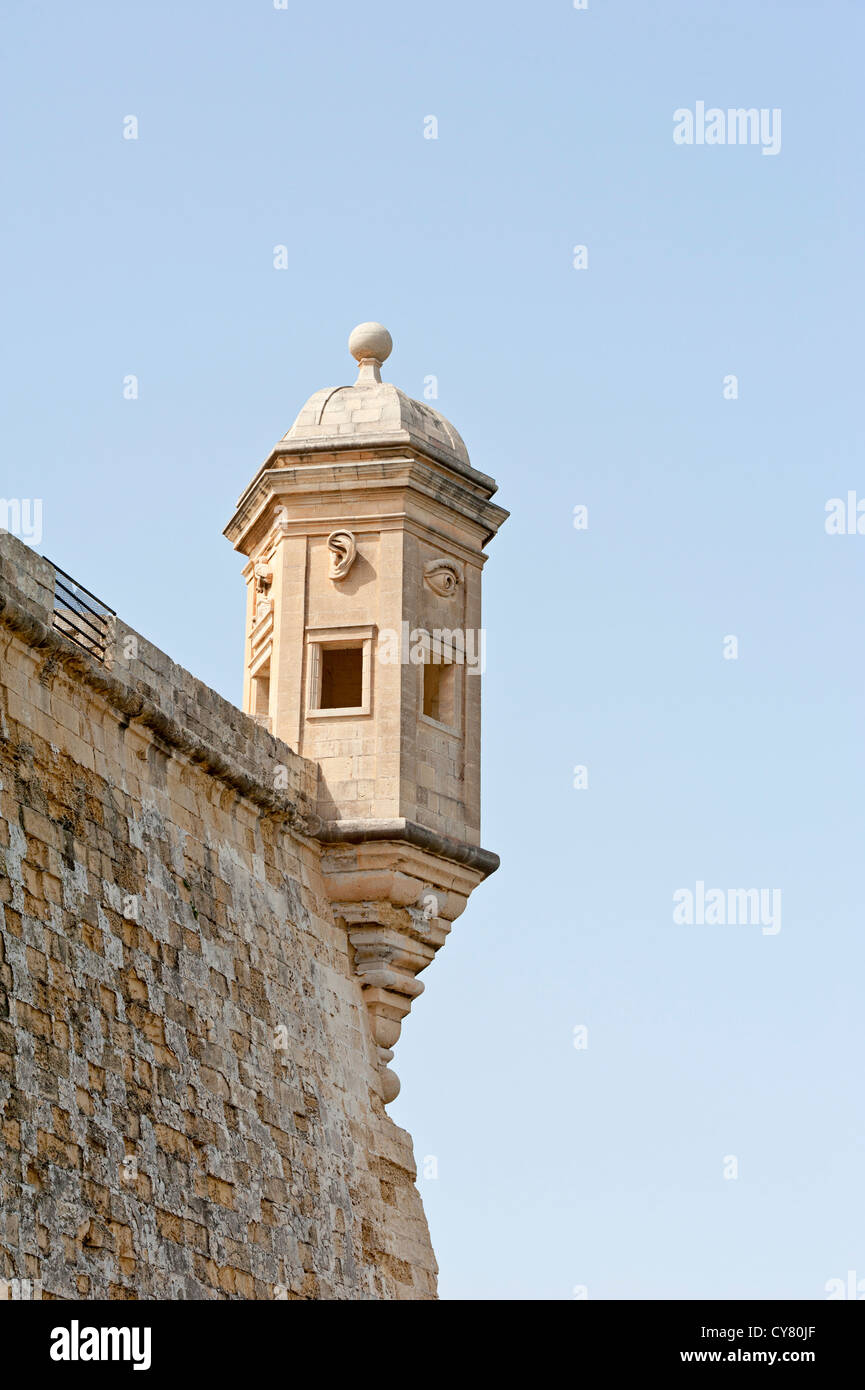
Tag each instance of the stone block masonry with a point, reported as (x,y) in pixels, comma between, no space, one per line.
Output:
(190,1094)
(209,942)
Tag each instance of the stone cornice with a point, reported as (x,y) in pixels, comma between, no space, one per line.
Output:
(357,832)
(379,443)
(349,475)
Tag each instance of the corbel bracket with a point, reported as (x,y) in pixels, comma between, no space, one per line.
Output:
(397,900)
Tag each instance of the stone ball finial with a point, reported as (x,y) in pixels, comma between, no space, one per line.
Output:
(370,341)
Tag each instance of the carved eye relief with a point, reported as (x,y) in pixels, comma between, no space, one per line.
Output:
(343,552)
(443,576)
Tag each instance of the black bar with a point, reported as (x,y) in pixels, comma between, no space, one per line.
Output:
(58,570)
(63,612)
(212,1341)
(77,602)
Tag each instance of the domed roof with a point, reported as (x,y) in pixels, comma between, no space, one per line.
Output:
(345,416)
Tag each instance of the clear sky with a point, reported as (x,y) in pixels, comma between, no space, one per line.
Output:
(558,1167)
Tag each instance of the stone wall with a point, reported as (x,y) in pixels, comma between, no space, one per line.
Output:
(190,1103)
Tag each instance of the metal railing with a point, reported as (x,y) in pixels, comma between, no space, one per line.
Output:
(80,615)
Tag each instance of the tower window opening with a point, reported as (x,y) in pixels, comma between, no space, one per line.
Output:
(261,694)
(439,691)
(341,678)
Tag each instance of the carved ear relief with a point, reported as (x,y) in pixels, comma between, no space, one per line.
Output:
(343,552)
(443,576)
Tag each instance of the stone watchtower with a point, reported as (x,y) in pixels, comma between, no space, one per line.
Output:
(365,531)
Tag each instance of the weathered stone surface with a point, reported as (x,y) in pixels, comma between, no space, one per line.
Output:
(190,1094)
(208,942)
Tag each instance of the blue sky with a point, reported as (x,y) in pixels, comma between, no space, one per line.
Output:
(557,1167)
